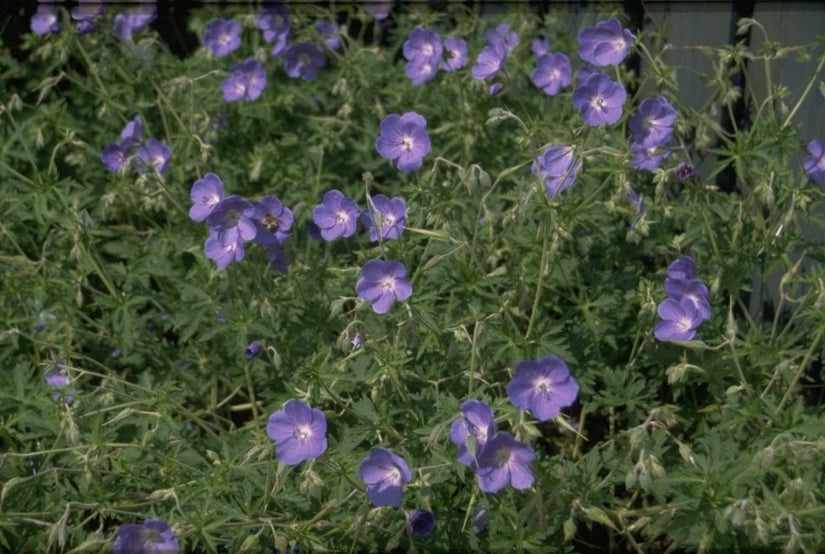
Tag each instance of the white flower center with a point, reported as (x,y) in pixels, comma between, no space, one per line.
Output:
(302,433)
(427,49)
(394,474)
(597,103)
(388,284)
(342,217)
(407,142)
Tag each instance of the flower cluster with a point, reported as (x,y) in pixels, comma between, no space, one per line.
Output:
(687,305)
(302,59)
(154,536)
(497,458)
(152,154)
(233,220)
(652,128)
(426,54)
(246,81)
(501,42)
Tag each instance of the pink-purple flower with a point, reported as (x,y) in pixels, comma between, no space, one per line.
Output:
(224,250)
(246,81)
(300,432)
(336,216)
(490,60)
(154,536)
(648,158)
(557,167)
(552,73)
(423,44)
(385,473)
(383,283)
(134,19)
(222,37)
(606,43)
(404,140)
(543,387)
(385,218)
(814,164)
(502,32)
(599,99)
(504,461)
(273,221)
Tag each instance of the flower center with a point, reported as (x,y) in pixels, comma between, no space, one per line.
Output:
(224,39)
(542,385)
(598,102)
(388,284)
(341,217)
(619,44)
(209,200)
(302,434)
(503,457)
(149,535)
(555,74)
(271,222)
(427,50)
(394,475)
(407,142)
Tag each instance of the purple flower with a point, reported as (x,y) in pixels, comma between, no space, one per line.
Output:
(379,10)
(558,168)
(384,472)
(382,283)
(543,387)
(455,54)
(385,218)
(680,319)
(495,88)
(652,124)
(684,171)
(423,44)
(502,32)
(44,20)
(421,70)
(277,259)
(206,193)
(281,44)
(479,518)
(682,267)
(272,220)
(223,251)
(153,537)
(56,375)
(476,421)
(814,164)
(490,61)
(356,341)
(274,21)
(134,19)
(85,13)
(232,220)
(599,99)
(552,73)
(421,522)
(605,44)
(299,431)
(637,202)
(692,289)
(404,139)
(113,156)
(503,461)
(336,215)
(252,349)
(246,81)
(303,60)
(153,156)
(648,158)
(329,33)
(222,37)
(540,46)
(132,133)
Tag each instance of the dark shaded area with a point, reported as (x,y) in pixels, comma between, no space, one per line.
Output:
(738,119)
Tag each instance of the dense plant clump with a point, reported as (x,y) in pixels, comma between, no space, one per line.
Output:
(375,277)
